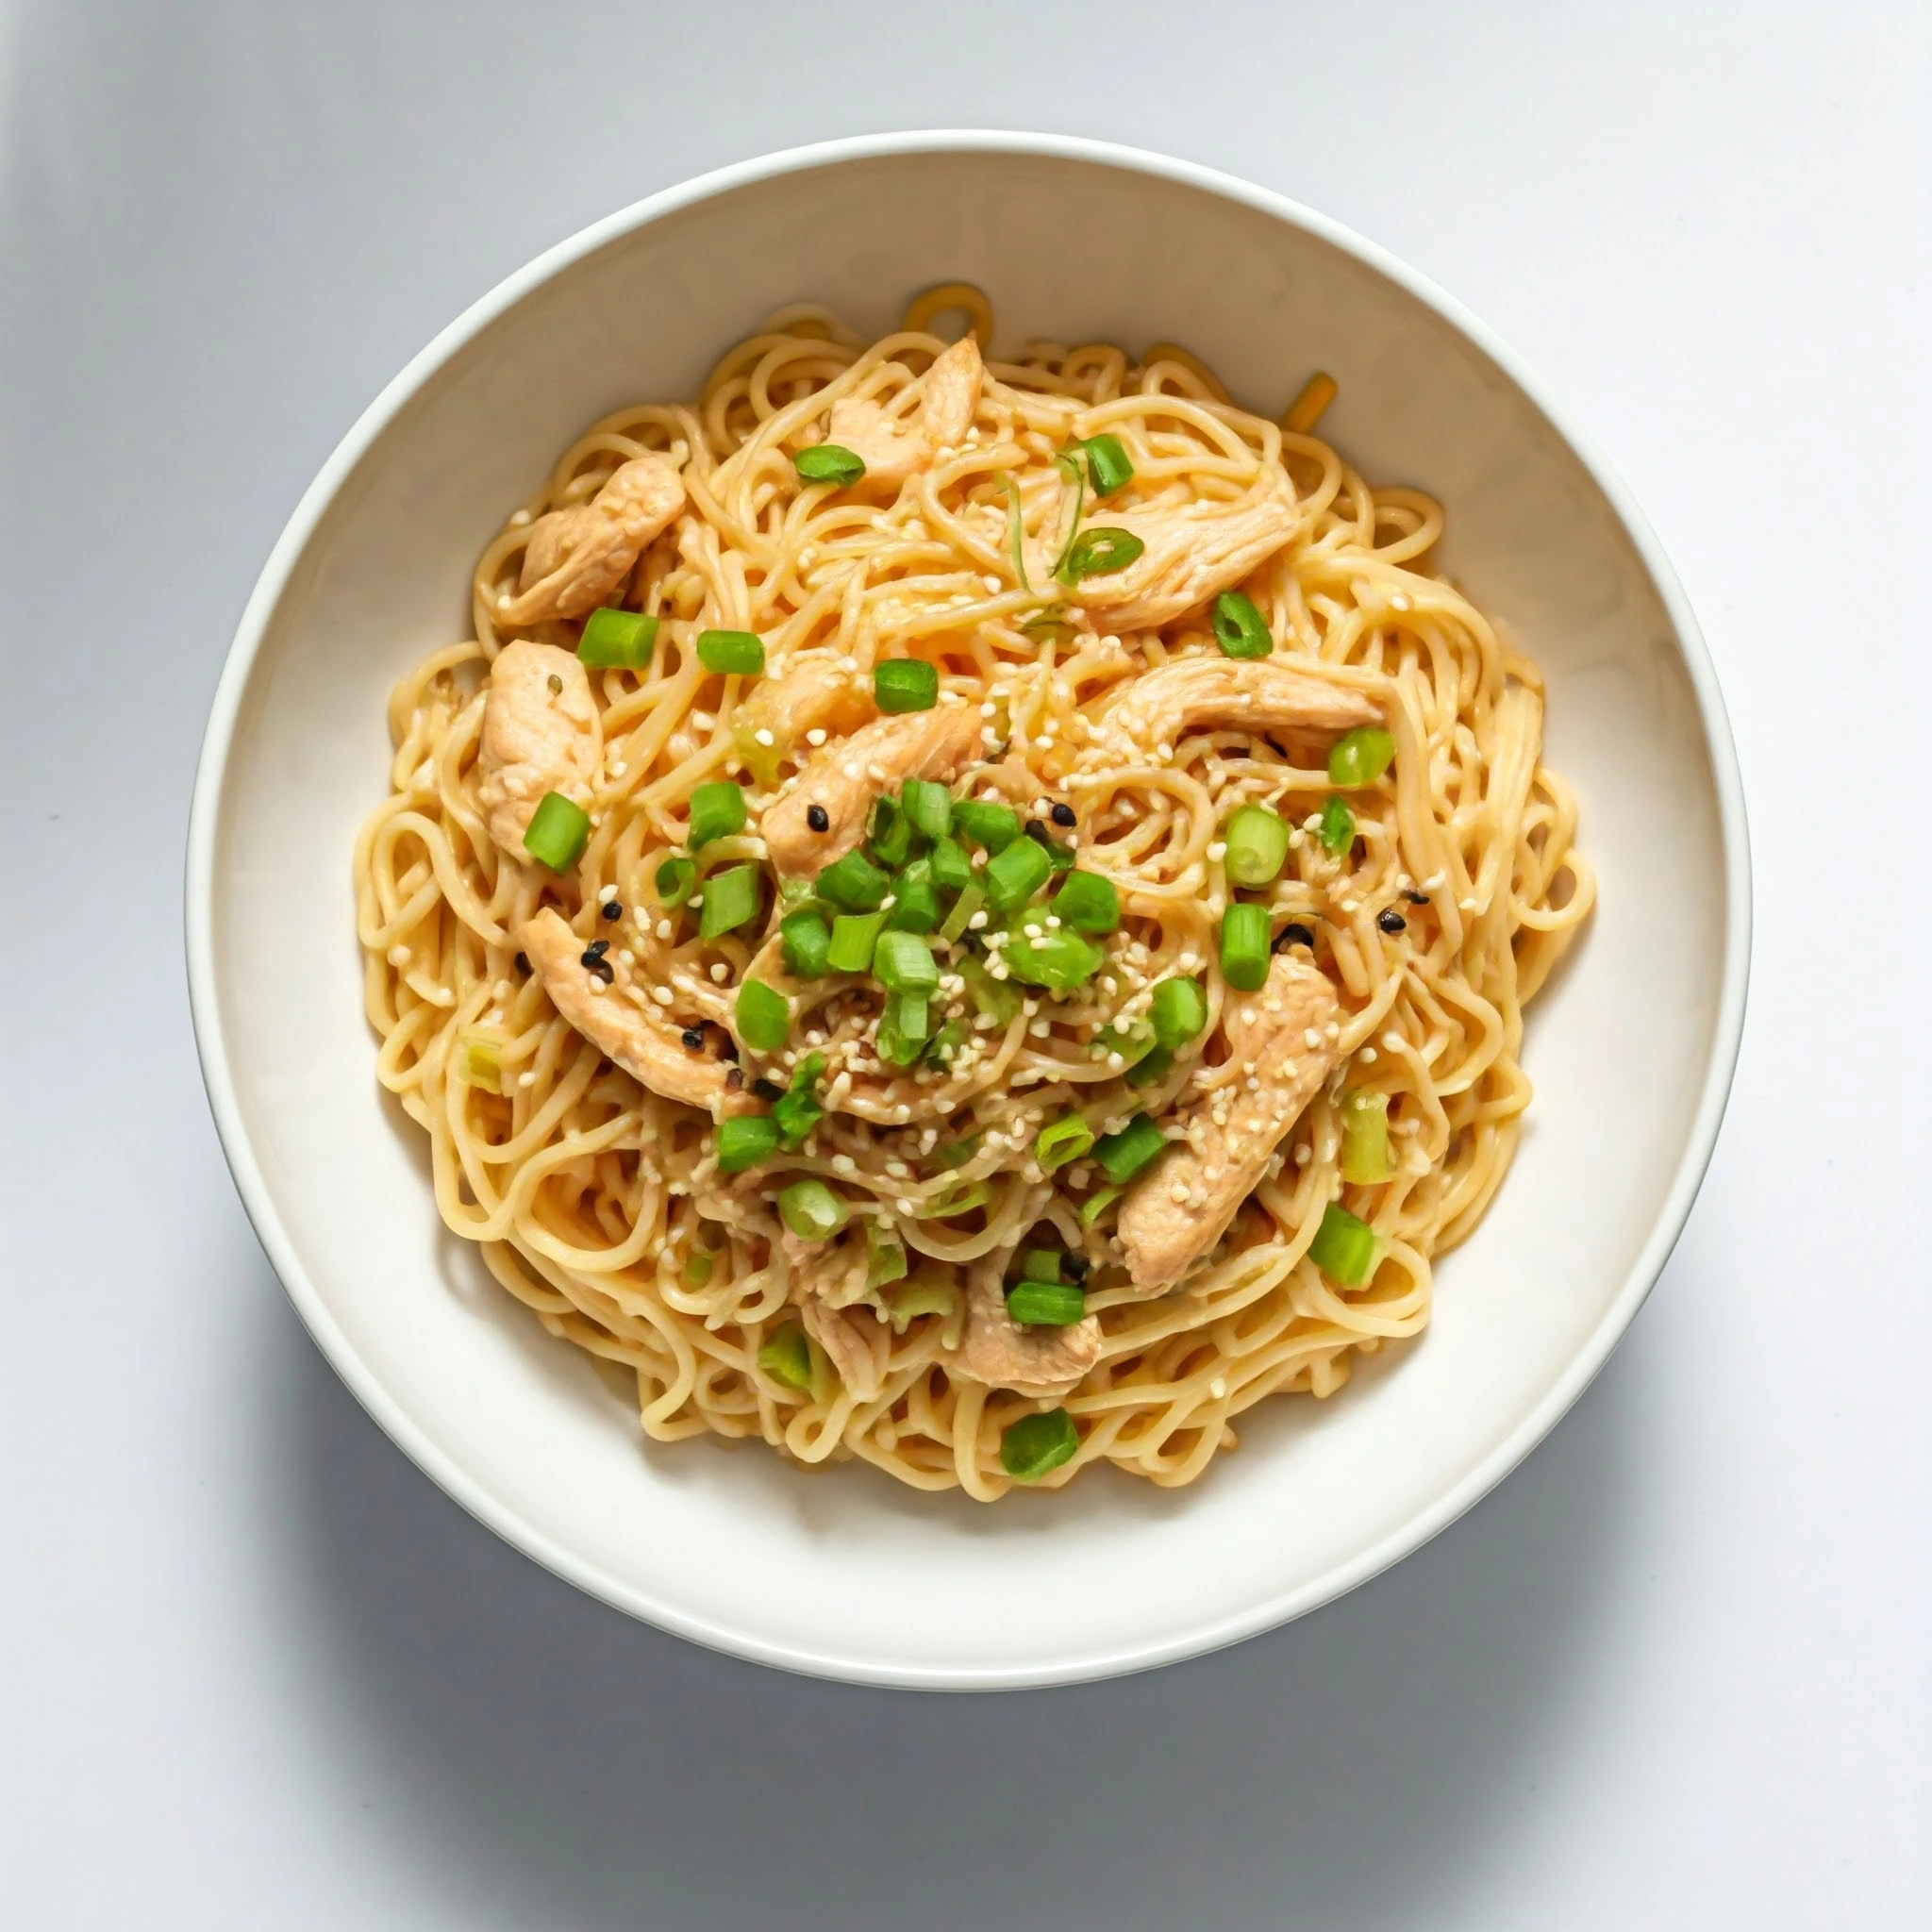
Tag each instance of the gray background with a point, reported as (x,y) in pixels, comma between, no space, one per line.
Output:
(259,1673)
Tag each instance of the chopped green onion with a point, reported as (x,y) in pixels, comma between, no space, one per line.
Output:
(1365,1158)
(888,837)
(904,964)
(698,1268)
(745,1141)
(763,1015)
(1361,756)
(1037,1264)
(786,1357)
(796,1111)
(717,810)
(676,879)
(829,462)
(1060,1141)
(1178,1010)
(960,1198)
(1094,1206)
(1153,1066)
(1256,846)
(1109,467)
(961,917)
(824,1378)
(995,827)
(798,895)
(947,1042)
(906,684)
(1099,552)
(1048,626)
(1058,961)
(616,640)
(885,1258)
(1345,1246)
(731,900)
(1016,528)
(853,936)
(1123,1155)
(1240,629)
(558,832)
(852,884)
(1015,875)
(1088,902)
(482,1060)
(812,1212)
(903,1028)
(926,1294)
(928,806)
(1338,825)
(1078,478)
(991,997)
(1244,946)
(1037,1445)
(1057,856)
(1047,1303)
(957,1153)
(762,760)
(729,651)
(805,941)
(952,871)
(1132,1040)
(915,899)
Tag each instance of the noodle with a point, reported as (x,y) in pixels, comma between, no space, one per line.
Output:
(600,1204)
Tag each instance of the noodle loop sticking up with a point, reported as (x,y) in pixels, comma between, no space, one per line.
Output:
(972,914)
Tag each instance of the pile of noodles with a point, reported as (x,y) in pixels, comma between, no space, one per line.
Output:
(599,1206)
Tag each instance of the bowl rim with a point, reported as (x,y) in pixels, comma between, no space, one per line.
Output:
(212,1047)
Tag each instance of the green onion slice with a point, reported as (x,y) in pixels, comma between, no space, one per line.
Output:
(989,825)
(1256,846)
(1338,823)
(1014,875)
(1365,1157)
(1037,1445)
(1095,1205)
(961,917)
(1361,757)
(906,684)
(915,899)
(1239,628)
(1087,903)
(945,1044)
(1047,1303)
(854,935)
(698,1268)
(731,900)
(805,941)
(992,997)
(1058,961)
(812,1212)
(1099,552)
(717,810)
(616,640)
(676,879)
(888,836)
(1151,1067)
(482,1060)
(885,1258)
(745,1141)
(1244,946)
(952,871)
(1178,1011)
(558,832)
(1037,1264)
(796,1111)
(904,964)
(960,1198)
(852,884)
(1062,1141)
(904,1028)
(829,462)
(1109,466)
(927,1293)
(786,1357)
(1123,1155)
(1345,1246)
(928,806)
(763,1015)
(1016,528)
(731,651)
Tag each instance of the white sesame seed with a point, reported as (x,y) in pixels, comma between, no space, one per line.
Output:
(763,735)
(719,974)
(663,930)
(1216,850)
(1367,1056)
(816,735)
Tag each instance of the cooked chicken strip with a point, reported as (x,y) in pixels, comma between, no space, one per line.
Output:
(856,1340)
(893,447)
(576,557)
(1215,1170)
(1258,694)
(1194,551)
(811,691)
(841,781)
(647,1049)
(996,1350)
(541,733)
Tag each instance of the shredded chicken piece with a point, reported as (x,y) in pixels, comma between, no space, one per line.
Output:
(648,1050)
(812,691)
(859,1343)
(541,733)
(1181,1206)
(1258,694)
(895,447)
(576,557)
(996,1350)
(840,780)
(1194,551)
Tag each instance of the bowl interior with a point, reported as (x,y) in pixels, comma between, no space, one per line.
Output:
(844,1571)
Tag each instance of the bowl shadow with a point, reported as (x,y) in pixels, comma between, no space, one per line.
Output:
(568,1766)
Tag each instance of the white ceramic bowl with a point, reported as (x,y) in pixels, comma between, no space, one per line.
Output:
(843,1572)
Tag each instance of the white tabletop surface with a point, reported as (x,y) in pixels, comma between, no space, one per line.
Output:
(259,1673)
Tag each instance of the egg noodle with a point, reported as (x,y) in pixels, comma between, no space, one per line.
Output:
(1435,912)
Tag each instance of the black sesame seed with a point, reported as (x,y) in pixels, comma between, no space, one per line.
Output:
(1414,897)
(1078,1267)
(1390,921)
(556,684)
(768,1090)
(734,1079)
(523,963)
(1292,934)
(603,968)
(693,1038)
(817,818)
(1065,814)
(611,910)
(1036,830)
(595,951)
